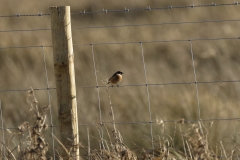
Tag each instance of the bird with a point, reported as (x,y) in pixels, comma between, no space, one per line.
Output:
(116,78)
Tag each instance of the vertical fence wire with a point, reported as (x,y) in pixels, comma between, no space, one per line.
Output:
(49,100)
(89,148)
(195,79)
(148,95)
(3,130)
(111,113)
(99,100)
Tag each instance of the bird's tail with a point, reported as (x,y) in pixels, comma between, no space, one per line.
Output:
(108,82)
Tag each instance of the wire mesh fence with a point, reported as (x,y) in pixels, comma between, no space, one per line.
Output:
(144,87)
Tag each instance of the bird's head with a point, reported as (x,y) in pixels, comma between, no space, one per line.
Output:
(119,72)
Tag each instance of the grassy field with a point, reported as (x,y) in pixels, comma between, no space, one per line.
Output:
(166,62)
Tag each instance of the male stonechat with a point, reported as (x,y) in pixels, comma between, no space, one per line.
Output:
(116,78)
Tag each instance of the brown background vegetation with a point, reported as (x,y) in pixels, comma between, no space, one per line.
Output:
(165,62)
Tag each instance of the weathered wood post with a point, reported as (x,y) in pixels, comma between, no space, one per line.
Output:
(65,79)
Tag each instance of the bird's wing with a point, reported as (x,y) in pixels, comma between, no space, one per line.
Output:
(112,76)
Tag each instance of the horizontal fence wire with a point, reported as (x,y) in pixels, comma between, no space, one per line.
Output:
(26,30)
(127,25)
(24,90)
(158,24)
(166,84)
(39,14)
(18,47)
(125,10)
(130,85)
(161,41)
(181,121)
(114,43)
(149,8)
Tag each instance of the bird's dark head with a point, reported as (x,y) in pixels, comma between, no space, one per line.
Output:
(119,72)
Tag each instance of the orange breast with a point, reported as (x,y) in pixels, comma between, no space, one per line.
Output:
(116,79)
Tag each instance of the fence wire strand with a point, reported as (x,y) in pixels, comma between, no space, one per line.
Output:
(148,95)
(99,100)
(186,121)
(149,8)
(159,41)
(169,83)
(18,47)
(49,101)
(127,25)
(118,43)
(3,130)
(126,10)
(155,24)
(195,79)
(131,85)
(18,15)
(27,89)
(26,30)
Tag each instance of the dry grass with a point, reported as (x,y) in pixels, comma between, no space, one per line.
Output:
(165,62)
(195,142)
(31,144)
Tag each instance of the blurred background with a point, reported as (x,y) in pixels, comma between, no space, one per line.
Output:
(166,62)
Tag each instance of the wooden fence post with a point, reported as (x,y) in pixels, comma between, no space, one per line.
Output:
(65,80)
